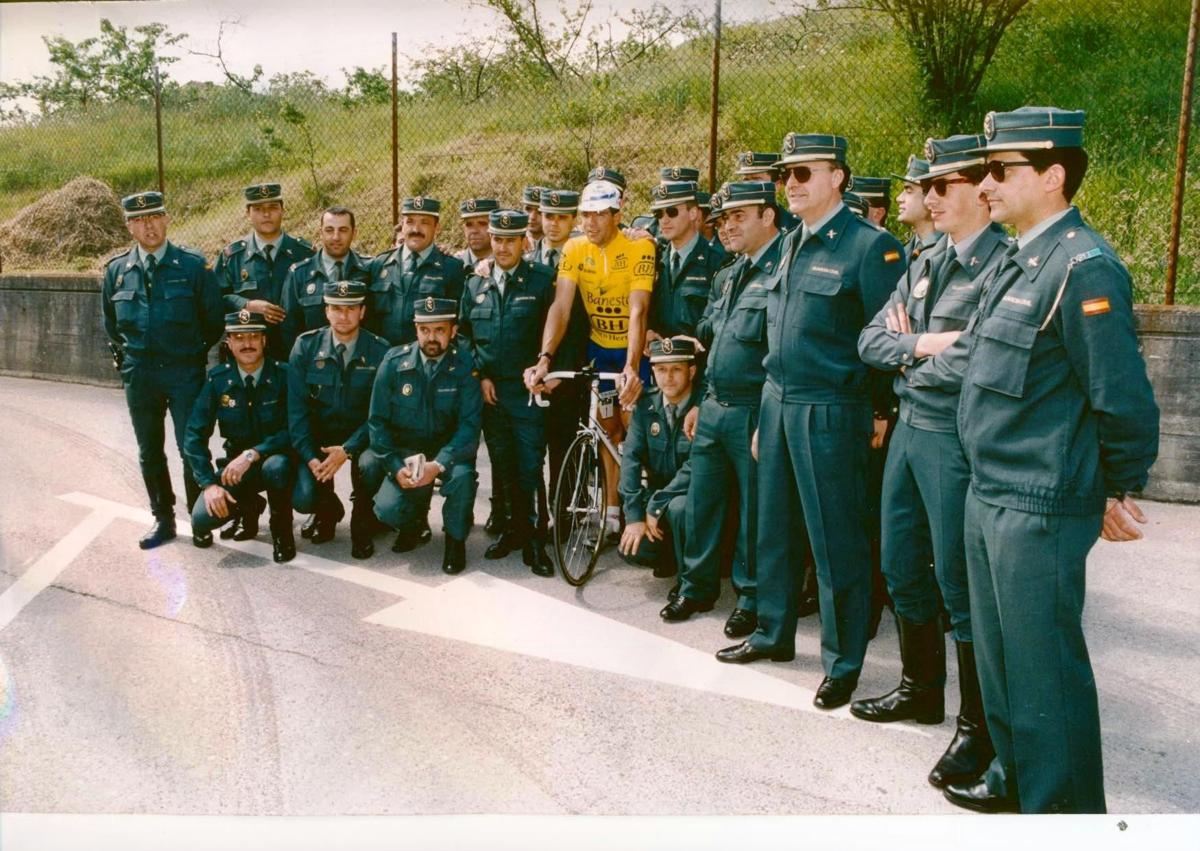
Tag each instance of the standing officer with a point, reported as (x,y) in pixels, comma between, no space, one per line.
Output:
(304,286)
(414,270)
(427,402)
(760,167)
(876,193)
(686,264)
(734,329)
(248,398)
(531,201)
(330,375)
(926,476)
(251,271)
(161,306)
(911,210)
(559,210)
(503,314)
(815,421)
(474,214)
(655,533)
(1059,426)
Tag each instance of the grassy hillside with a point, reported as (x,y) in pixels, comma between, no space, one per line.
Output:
(845,72)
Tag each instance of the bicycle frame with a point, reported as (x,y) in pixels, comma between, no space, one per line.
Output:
(593,424)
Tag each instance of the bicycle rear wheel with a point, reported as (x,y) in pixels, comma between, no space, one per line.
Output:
(579,510)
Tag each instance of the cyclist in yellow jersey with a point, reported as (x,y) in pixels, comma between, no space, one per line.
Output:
(614,276)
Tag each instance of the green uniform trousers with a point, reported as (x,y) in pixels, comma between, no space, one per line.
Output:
(273,475)
(925,485)
(722,466)
(670,550)
(151,390)
(402,509)
(1026,577)
(812,466)
(515,432)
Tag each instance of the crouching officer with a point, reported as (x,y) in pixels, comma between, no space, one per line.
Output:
(427,402)
(1059,426)
(331,373)
(162,312)
(503,313)
(248,398)
(655,509)
(734,327)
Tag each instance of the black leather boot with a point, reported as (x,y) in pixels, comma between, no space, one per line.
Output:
(362,525)
(246,526)
(162,531)
(455,558)
(921,693)
(970,750)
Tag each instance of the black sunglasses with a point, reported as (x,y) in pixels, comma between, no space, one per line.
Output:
(938,184)
(996,168)
(669,212)
(802,173)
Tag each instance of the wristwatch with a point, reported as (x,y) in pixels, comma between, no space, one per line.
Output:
(249,455)
(547,355)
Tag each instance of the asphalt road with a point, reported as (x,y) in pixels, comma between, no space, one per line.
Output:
(218,683)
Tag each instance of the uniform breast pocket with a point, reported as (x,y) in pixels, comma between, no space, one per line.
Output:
(1000,360)
(126,308)
(749,320)
(432,285)
(445,407)
(483,320)
(771,290)
(817,281)
(951,314)
(320,384)
(380,296)
(359,384)
(246,281)
(179,301)
(272,414)
(312,305)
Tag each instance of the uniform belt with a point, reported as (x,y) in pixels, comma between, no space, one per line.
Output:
(749,399)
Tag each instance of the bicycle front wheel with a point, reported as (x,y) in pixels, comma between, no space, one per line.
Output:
(579,510)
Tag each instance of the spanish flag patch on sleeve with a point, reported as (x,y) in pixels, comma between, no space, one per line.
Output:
(1096,306)
(891,256)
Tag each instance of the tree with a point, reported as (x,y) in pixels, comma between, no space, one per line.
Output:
(953,42)
(366,86)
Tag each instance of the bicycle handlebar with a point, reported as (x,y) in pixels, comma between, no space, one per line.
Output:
(566,375)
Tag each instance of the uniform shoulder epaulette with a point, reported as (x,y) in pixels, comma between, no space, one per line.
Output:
(234,247)
(195,252)
(292,268)
(220,370)
(120,254)
(311,332)
(401,350)
(301,240)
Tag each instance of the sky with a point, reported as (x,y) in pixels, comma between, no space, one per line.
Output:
(322,37)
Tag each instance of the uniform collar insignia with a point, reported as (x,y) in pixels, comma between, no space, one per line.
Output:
(1032,261)
(832,233)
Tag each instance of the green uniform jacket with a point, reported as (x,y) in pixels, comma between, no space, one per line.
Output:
(303,296)
(916,246)
(734,329)
(393,291)
(661,452)
(245,275)
(441,420)
(818,302)
(935,302)
(506,332)
(1056,411)
(258,423)
(174,318)
(326,406)
(677,305)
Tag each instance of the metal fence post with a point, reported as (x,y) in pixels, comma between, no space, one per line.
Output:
(716,89)
(158,128)
(1185,127)
(395,143)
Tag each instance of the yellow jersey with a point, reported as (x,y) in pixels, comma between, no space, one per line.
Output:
(605,276)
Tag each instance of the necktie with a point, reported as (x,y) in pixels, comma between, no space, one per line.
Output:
(413,259)
(502,282)
(341,353)
(268,251)
(674,265)
(151,265)
(430,369)
(552,258)
(250,387)
(671,414)
(337,271)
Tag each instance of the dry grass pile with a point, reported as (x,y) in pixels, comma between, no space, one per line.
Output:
(79,221)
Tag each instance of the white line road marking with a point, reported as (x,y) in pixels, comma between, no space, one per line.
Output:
(47,568)
(510,617)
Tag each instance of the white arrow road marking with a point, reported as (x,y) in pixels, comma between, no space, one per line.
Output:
(47,568)
(510,617)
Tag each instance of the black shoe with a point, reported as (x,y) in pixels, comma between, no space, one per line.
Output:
(324,529)
(364,548)
(497,524)
(306,531)
(534,555)
(920,696)
(283,548)
(455,557)
(971,749)
(976,796)
(673,593)
(741,653)
(407,539)
(424,533)
(809,605)
(834,692)
(162,531)
(247,523)
(665,569)
(202,540)
(682,608)
(229,531)
(502,546)
(741,623)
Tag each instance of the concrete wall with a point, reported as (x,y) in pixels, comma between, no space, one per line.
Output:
(52,330)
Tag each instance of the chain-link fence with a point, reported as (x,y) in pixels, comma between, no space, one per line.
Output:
(470,123)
